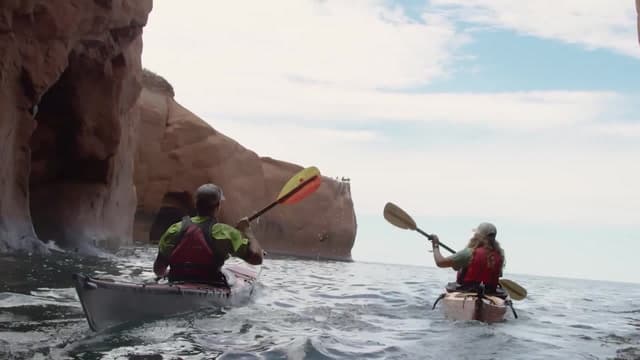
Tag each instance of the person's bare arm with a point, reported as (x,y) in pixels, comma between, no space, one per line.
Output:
(440,260)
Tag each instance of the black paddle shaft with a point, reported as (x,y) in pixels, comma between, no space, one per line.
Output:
(282,199)
(429,237)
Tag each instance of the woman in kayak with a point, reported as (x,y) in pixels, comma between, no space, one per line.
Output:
(480,262)
(196,248)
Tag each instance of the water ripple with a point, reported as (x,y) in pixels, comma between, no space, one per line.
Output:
(315,310)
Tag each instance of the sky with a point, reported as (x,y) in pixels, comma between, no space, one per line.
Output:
(520,113)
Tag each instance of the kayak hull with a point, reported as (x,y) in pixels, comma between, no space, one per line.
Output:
(107,303)
(467,306)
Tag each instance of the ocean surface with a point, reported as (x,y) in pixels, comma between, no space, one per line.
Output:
(306,309)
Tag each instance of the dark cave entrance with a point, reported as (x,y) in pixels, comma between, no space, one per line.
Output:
(59,165)
(55,154)
(175,205)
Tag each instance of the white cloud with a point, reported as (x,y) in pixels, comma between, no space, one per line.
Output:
(567,181)
(351,44)
(321,65)
(625,130)
(301,81)
(607,24)
(327,61)
(516,111)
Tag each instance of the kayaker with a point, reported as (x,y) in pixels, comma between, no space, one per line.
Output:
(480,262)
(196,248)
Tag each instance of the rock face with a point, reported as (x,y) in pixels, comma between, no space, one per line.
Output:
(70,86)
(70,76)
(321,226)
(177,152)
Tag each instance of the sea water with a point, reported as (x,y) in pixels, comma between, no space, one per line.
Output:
(305,309)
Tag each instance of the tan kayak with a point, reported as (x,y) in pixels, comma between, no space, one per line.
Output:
(467,306)
(475,305)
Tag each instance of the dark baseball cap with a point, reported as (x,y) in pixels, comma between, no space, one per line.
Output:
(209,192)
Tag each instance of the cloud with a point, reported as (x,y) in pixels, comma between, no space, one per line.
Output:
(302,144)
(515,111)
(616,130)
(349,44)
(306,85)
(563,179)
(595,24)
(336,61)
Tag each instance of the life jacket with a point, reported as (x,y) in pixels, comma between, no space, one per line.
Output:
(485,267)
(194,257)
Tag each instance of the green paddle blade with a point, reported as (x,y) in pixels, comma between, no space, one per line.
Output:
(516,292)
(300,186)
(398,217)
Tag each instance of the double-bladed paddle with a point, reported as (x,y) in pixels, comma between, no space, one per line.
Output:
(398,217)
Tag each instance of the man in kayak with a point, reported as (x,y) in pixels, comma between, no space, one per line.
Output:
(196,248)
(480,262)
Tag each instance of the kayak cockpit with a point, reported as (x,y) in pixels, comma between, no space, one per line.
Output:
(474,303)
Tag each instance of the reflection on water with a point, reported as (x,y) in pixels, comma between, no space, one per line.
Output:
(315,310)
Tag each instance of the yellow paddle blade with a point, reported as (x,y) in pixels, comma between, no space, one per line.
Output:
(300,186)
(516,292)
(398,217)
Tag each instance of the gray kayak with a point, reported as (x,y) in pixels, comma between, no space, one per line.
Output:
(108,303)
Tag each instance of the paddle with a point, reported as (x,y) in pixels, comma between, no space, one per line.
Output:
(301,185)
(398,217)
(516,292)
(401,219)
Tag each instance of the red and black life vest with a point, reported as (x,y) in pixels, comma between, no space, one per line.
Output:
(194,257)
(485,267)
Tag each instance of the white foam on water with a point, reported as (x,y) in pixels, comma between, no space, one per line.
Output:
(13,300)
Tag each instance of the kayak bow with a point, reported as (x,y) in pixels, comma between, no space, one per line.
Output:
(108,303)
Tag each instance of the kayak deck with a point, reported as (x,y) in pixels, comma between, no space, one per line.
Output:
(108,303)
(469,305)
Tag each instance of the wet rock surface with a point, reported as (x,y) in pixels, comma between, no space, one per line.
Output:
(70,78)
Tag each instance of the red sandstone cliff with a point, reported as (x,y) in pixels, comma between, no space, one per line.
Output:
(177,151)
(69,81)
(70,85)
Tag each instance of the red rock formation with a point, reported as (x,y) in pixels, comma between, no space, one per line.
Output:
(66,173)
(70,77)
(177,151)
(323,225)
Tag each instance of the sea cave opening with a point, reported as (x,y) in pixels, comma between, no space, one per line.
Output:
(175,205)
(59,167)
